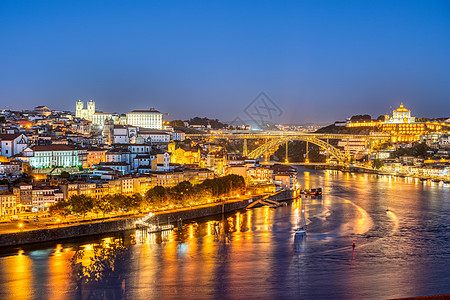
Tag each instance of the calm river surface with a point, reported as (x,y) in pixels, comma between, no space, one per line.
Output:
(402,252)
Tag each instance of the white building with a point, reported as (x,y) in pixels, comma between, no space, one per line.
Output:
(85,113)
(10,168)
(126,134)
(118,134)
(152,136)
(100,118)
(353,146)
(151,119)
(444,141)
(162,162)
(53,156)
(400,115)
(8,203)
(122,167)
(43,197)
(178,136)
(12,144)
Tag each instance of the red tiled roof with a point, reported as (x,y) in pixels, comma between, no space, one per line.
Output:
(9,137)
(54,147)
(145,111)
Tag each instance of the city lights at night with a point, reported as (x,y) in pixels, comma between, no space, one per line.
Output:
(224,150)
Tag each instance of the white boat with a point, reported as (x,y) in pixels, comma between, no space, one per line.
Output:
(301,229)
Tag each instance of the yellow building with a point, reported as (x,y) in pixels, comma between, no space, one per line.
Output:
(216,162)
(402,127)
(183,157)
(400,115)
(95,156)
(8,203)
(405,132)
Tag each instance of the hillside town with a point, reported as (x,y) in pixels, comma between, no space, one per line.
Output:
(48,156)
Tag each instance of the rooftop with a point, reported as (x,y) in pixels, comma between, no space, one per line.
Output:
(151,110)
(401,108)
(53,148)
(9,137)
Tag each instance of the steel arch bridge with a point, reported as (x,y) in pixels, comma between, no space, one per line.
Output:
(341,157)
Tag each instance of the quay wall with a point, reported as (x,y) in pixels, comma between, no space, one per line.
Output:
(66,232)
(53,234)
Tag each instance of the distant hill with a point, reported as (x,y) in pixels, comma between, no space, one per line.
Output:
(347,130)
(215,123)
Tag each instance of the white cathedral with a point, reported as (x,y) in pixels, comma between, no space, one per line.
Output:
(85,113)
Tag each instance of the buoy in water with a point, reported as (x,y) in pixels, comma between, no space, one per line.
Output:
(354,244)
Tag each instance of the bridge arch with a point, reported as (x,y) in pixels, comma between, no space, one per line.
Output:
(341,157)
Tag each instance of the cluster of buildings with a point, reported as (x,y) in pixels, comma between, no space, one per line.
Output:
(49,155)
(401,126)
(402,130)
(413,166)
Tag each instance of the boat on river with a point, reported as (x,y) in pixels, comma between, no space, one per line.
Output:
(316,192)
(301,229)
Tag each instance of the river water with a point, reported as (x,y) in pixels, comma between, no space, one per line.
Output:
(401,228)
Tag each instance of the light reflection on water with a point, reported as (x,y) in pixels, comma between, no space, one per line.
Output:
(401,227)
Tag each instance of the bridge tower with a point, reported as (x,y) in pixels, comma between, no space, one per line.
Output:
(286,160)
(245,150)
(307,153)
(266,157)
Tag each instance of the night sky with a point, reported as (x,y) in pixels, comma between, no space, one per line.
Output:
(317,60)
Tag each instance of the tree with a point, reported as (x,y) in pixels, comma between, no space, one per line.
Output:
(361,118)
(134,202)
(60,208)
(80,204)
(377,164)
(119,202)
(418,150)
(65,174)
(381,118)
(177,123)
(297,152)
(102,205)
(156,195)
(214,123)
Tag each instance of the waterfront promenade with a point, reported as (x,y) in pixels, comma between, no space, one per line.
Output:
(16,233)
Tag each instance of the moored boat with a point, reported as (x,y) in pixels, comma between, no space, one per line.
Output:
(314,192)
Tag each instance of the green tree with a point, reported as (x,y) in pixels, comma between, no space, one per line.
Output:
(119,202)
(104,205)
(381,118)
(134,202)
(65,174)
(60,208)
(377,164)
(156,196)
(177,123)
(80,204)
(418,150)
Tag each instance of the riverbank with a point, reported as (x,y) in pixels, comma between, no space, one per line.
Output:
(365,170)
(108,226)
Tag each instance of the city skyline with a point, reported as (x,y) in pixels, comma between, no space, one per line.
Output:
(224,149)
(319,62)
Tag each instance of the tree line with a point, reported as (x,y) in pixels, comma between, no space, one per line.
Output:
(182,195)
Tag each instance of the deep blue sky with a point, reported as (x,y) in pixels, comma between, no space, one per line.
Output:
(318,60)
